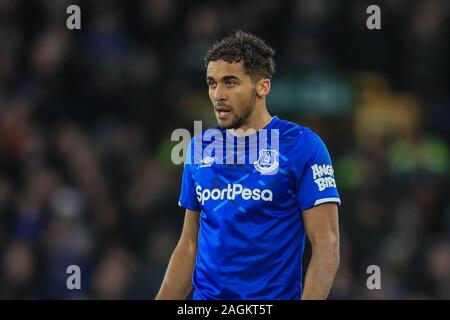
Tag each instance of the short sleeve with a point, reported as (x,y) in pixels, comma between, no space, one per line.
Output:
(313,171)
(188,197)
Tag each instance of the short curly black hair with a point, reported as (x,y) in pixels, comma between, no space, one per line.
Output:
(256,54)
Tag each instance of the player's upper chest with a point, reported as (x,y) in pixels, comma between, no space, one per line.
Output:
(250,174)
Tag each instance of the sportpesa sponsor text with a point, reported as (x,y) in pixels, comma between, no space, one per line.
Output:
(231,192)
(323,176)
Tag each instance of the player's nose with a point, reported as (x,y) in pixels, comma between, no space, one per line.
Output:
(219,94)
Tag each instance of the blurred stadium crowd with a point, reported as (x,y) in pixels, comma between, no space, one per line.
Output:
(86,118)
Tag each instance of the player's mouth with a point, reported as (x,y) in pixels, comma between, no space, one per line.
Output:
(223,113)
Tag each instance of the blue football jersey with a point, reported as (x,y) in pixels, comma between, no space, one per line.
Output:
(251,193)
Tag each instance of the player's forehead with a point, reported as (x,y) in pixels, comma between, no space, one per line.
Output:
(220,68)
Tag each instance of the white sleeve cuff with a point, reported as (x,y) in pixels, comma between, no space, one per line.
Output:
(323,200)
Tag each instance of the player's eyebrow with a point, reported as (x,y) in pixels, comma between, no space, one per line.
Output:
(224,78)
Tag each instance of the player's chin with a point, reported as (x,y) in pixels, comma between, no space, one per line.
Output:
(224,124)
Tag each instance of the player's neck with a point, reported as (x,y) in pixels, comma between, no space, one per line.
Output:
(257,121)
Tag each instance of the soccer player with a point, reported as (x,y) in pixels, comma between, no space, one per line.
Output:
(245,223)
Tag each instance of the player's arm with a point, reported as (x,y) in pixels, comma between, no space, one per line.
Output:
(177,281)
(322,228)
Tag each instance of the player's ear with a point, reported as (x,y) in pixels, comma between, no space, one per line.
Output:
(262,87)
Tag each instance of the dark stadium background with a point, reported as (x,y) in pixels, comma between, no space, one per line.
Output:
(86,118)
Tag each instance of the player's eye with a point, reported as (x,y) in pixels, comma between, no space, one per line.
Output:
(211,84)
(231,83)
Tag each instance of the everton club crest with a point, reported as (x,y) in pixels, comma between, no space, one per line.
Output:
(267,162)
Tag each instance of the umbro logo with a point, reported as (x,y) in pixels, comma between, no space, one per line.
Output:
(207,162)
